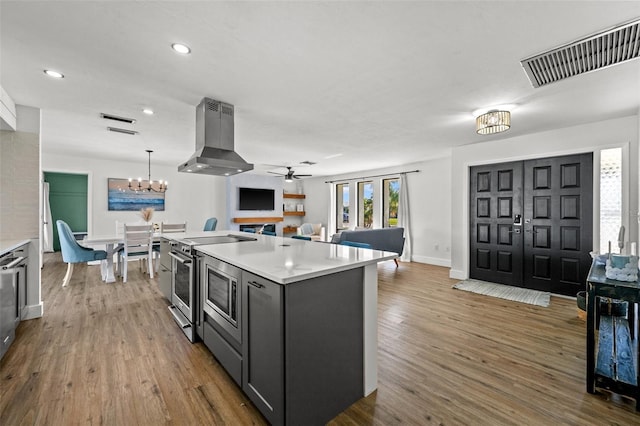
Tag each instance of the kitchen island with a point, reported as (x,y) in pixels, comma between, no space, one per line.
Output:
(308,322)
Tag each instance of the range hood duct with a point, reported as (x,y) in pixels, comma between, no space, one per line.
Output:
(215,153)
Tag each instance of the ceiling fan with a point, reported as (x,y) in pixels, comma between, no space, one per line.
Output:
(290,175)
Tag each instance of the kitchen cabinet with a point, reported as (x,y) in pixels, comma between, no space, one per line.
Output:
(164,271)
(316,326)
(263,362)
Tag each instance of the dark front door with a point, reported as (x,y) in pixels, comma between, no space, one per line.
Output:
(531,223)
(496,236)
(558,222)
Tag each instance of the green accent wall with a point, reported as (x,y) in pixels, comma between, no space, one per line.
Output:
(68,200)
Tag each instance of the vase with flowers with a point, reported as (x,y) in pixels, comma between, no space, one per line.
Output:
(146,214)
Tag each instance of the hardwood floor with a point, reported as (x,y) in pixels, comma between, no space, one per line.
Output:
(111,354)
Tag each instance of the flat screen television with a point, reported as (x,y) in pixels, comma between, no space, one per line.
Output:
(256,199)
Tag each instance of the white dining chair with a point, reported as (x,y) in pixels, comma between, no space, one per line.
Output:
(138,245)
(166,228)
(173,227)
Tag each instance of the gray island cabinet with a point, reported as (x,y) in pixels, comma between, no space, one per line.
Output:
(295,325)
(303,346)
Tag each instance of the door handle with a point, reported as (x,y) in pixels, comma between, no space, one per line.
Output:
(515,231)
(256,284)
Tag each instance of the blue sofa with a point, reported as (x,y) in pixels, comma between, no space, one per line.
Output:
(387,239)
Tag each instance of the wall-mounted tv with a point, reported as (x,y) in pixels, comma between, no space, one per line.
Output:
(256,199)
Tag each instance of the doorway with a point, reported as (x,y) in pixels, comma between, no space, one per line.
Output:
(531,223)
(68,202)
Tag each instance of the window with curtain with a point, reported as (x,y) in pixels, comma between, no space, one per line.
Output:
(365,204)
(390,197)
(610,197)
(342,206)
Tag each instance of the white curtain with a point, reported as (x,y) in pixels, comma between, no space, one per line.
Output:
(331,222)
(404,220)
(47,221)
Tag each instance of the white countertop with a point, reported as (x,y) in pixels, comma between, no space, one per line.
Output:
(286,260)
(7,245)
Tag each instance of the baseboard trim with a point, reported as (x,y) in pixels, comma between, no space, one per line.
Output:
(432,261)
(33,311)
(457,274)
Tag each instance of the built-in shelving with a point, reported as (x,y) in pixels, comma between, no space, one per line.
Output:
(292,211)
(290,195)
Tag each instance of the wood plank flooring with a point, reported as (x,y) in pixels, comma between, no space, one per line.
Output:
(111,354)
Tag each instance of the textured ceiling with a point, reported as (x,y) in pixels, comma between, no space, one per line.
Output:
(349,85)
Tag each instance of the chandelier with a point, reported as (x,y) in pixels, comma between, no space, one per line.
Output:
(493,122)
(161,187)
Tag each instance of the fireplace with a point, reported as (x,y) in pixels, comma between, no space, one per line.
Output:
(258,227)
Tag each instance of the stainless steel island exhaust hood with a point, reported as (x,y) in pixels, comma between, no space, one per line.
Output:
(215,153)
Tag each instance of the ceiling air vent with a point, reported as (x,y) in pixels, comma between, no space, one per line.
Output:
(607,48)
(125,131)
(116,118)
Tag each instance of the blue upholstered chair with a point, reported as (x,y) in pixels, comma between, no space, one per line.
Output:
(355,244)
(273,234)
(72,252)
(301,237)
(210,224)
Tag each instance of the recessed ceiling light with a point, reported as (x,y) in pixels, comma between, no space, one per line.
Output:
(181,48)
(148,111)
(54,74)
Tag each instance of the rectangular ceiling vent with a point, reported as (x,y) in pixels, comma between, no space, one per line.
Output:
(125,131)
(116,118)
(602,50)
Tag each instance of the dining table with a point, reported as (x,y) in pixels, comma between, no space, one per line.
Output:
(112,244)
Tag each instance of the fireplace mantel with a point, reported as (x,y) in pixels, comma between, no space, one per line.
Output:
(257,220)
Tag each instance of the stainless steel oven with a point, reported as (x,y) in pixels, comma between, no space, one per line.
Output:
(221,296)
(183,290)
(186,297)
(13,291)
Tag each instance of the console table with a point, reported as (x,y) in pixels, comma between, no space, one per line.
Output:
(612,357)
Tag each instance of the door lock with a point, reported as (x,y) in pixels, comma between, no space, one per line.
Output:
(517,220)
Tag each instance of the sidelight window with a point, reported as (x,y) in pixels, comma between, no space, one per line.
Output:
(610,198)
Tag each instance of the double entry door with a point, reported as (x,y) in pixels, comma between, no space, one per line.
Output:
(531,223)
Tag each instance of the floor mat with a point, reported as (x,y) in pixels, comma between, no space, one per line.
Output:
(524,295)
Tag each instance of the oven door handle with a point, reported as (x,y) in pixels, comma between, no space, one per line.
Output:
(183,260)
(15,263)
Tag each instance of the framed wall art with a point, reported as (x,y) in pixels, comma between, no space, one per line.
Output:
(122,198)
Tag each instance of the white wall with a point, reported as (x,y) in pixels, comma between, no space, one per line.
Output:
(429,204)
(586,138)
(190,197)
(20,194)
(247,180)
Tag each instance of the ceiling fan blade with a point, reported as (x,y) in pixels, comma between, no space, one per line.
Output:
(279,174)
(302,175)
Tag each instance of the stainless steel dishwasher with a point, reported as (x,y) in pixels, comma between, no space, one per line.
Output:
(13,286)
